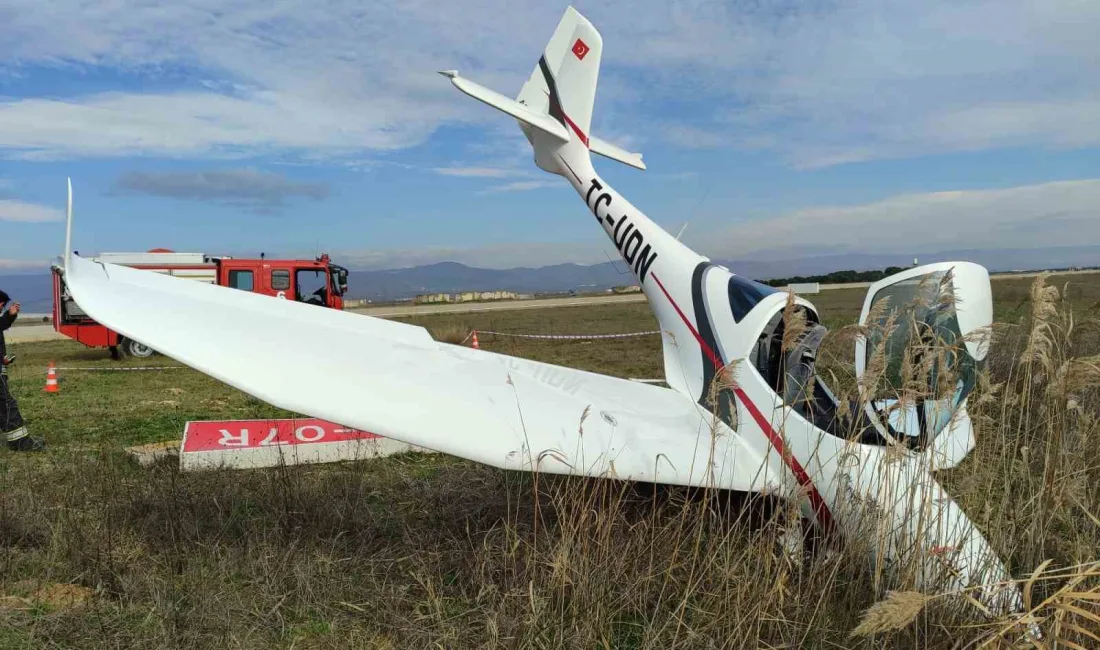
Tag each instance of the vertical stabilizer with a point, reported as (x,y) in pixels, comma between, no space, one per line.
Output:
(563,83)
(555,106)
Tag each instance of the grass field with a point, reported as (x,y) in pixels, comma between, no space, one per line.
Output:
(427,551)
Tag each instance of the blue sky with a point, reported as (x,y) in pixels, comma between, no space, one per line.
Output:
(777,129)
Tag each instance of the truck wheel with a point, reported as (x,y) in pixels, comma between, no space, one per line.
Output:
(135,349)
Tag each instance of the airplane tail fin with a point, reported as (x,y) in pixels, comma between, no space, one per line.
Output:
(563,83)
(555,105)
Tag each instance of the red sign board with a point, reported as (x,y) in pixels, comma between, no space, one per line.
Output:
(219,435)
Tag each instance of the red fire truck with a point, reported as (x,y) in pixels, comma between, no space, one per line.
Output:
(317,282)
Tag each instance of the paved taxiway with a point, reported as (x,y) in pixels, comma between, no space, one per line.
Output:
(44,331)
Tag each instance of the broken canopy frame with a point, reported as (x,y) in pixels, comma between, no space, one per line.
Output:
(395,380)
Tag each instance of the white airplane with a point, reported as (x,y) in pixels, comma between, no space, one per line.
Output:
(759,428)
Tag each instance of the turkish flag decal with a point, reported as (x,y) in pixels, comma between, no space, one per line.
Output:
(580,49)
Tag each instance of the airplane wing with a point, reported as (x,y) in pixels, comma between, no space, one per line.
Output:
(394,380)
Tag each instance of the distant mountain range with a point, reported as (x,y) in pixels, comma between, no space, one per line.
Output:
(34,290)
(449,277)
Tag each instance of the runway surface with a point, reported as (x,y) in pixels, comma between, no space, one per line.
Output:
(504,305)
(44,331)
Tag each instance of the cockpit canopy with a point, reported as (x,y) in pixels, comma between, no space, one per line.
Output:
(924,334)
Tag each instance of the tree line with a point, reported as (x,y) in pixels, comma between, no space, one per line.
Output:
(837,277)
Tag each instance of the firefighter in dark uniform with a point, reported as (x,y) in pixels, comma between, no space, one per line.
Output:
(12,427)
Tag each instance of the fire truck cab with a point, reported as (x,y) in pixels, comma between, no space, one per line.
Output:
(316,282)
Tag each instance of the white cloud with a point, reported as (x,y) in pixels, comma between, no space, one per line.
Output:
(818,83)
(1062,213)
(876,80)
(20,266)
(14,210)
(1060,124)
(294,77)
(528,183)
(520,186)
(194,124)
(478,172)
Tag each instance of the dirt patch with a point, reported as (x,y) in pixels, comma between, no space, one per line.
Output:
(15,603)
(62,596)
(54,596)
(148,454)
(163,402)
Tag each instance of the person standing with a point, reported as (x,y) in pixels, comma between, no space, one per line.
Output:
(12,426)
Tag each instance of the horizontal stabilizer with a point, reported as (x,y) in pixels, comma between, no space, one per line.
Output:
(608,150)
(510,106)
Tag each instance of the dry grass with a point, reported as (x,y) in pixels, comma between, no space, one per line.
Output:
(897,611)
(456,333)
(434,552)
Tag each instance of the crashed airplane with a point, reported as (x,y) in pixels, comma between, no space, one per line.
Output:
(744,409)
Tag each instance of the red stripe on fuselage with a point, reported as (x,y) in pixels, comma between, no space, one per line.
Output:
(706,348)
(576,129)
(816,501)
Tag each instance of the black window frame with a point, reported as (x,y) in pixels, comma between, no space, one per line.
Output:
(284,276)
(303,296)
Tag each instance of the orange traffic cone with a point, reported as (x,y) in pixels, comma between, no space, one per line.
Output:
(474,343)
(51,379)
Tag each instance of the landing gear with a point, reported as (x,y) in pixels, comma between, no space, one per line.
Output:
(135,349)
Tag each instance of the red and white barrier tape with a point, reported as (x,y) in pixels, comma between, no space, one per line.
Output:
(111,368)
(547,337)
(567,337)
